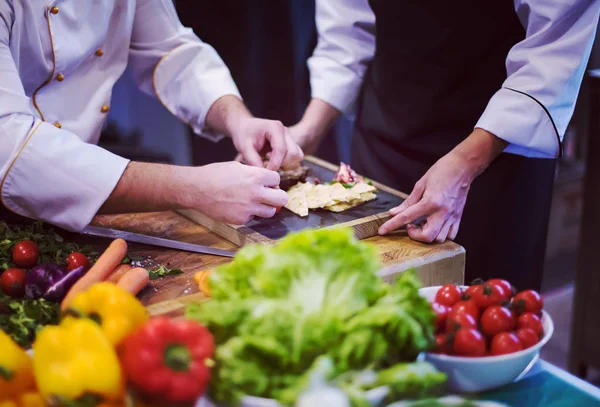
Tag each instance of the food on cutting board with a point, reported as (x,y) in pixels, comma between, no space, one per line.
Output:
(38,269)
(346,190)
(486,319)
(313,303)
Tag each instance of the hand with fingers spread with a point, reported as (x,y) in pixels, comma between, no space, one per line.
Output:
(441,194)
(234,193)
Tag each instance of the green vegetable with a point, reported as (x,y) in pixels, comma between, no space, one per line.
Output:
(21,319)
(162,271)
(276,309)
(52,246)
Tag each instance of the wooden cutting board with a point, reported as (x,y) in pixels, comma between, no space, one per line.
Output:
(364,219)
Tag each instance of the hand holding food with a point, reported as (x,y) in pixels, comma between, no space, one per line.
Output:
(234,193)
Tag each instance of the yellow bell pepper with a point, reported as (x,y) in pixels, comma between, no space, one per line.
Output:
(29,399)
(74,359)
(118,312)
(16,372)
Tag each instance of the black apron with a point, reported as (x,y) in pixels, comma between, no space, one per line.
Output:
(436,66)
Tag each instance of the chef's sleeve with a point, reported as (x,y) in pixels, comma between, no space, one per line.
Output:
(535,104)
(170,62)
(345,47)
(47,173)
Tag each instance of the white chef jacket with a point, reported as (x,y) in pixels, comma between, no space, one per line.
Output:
(544,70)
(59,60)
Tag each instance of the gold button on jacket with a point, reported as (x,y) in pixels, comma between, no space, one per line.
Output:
(60,77)
(104,109)
(54,10)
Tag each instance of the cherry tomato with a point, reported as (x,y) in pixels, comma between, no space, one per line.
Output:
(469,342)
(528,337)
(528,301)
(448,295)
(466,307)
(455,321)
(505,285)
(442,345)
(486,295)
(441,313)
(25,254)
(504,343)
(12,282)
(531,321)
(77,259)
(470,291)
(497,319)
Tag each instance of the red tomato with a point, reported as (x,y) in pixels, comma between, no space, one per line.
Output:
(470,291)
(528,301)
(77,259)
(497,319)
(528,337)
(531,321)
(277,209)
(504,343)
(486,295)
(12,282)
(469,342)
(505,285)
(448,295)
(466,307)
(442,345)
(25,254)
(441,313)
(455,321)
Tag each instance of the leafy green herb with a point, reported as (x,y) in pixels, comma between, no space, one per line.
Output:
(162,271)
(23,318)
(52,246)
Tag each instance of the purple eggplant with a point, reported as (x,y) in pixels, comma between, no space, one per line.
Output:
(41,277)
(57,291)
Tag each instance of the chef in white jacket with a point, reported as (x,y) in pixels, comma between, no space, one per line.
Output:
(463,103)
(59,60)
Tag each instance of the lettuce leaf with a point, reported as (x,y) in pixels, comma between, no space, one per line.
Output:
(277,309)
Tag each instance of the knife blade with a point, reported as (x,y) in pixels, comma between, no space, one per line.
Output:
(155,241)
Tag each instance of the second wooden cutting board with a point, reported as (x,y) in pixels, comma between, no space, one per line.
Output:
(364,219)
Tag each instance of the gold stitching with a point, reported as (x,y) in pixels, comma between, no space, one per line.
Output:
(12,164)
(53,67)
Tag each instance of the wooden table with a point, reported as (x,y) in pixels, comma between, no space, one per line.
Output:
(436,264)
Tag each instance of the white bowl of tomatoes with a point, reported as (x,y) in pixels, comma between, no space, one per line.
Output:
(487,335)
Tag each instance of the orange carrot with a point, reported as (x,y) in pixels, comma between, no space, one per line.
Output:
(105,264)
(118,273)
(134,280)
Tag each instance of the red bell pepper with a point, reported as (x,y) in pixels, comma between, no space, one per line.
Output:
(169,359)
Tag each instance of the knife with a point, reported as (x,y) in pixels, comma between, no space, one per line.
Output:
(155,241)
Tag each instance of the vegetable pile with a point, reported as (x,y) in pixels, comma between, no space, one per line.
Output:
(279,312)
(106,352)
(486,319)
(39,269)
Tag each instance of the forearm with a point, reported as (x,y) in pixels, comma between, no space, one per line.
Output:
(226,114)
(317,120)
(479,150)
(145,187)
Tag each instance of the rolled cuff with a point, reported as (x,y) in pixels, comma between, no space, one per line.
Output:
(188,80)
(523,122)
(60,179)
(334,84)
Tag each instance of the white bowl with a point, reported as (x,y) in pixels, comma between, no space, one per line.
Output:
(473,375)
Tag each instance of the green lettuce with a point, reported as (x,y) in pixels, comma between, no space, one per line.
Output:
(277,309)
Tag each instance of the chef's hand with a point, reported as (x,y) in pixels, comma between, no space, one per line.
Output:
(234,193)
(316,121)
(441,194)
(253,136)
